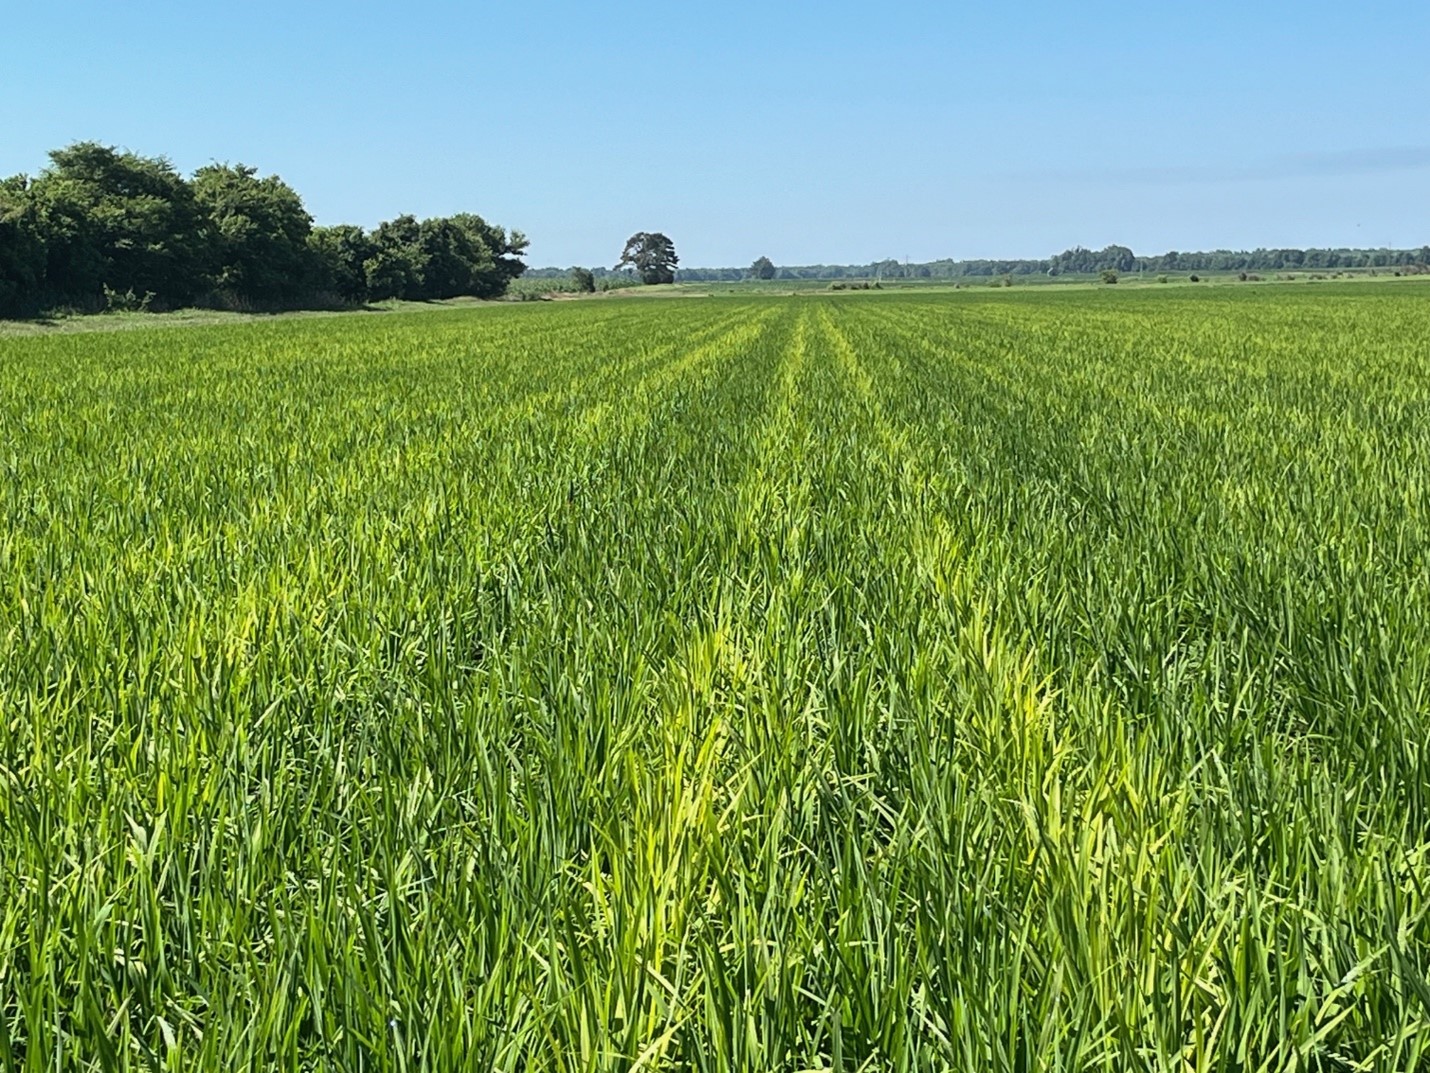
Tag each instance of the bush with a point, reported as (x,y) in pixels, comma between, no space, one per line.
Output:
(126,301)
(1196,278)
(1162,279)
(1109,275)
(618,283)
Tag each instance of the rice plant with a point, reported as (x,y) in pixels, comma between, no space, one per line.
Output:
(1010,682)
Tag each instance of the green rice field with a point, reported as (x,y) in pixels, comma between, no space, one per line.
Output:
(985,682)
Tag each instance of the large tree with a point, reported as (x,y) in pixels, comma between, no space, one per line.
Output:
(495,255)
(340,255)
(118,221)
(652,255)
(443,258)
(397,266)
(258,235)
(763,268)
(22,248)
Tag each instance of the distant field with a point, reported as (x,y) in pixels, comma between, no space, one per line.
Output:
(543,286)
(871,682)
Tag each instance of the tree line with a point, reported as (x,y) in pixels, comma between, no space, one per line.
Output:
(1080,261)
(104,229)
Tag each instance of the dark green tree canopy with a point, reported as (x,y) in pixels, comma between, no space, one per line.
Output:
(22,248)
(340,255)
(119,220)
(103,226)
(583,280)
(442,258)
(652,255)
(396,267)
(1079,260)
(258,234)
(763,268)
(496,254)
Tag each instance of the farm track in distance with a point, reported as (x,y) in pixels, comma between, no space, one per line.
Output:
(893,681)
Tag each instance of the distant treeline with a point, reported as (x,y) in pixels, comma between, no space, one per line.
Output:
(100,228)
(1078,261)
(612,274)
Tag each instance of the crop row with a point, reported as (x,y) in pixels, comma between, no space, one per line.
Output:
(887,682)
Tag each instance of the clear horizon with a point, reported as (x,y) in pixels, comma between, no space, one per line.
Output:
(807,133)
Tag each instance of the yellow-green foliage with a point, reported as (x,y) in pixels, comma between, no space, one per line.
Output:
(980,682)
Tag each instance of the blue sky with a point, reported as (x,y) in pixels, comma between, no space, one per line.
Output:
(832,131)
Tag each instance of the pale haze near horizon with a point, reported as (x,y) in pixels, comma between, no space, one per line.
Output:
(832,132)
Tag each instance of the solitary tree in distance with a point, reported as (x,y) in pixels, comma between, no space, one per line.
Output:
(652,255)
(583,281)
(763,268)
